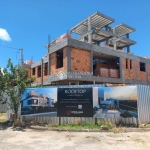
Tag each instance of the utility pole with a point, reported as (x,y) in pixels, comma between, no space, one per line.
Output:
(21,57)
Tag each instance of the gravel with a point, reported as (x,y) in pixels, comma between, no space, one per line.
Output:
(26,139)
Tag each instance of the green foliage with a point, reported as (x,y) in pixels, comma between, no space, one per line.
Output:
(13,81)
(36,86)
(82,126)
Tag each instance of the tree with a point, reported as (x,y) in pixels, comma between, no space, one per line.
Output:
(13,81)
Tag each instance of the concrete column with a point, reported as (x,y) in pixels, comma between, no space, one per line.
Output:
(91,61)
(135,70)
(121,72)
(146,69)
(68,53)
(89,30)
(21,57)
(115,46)
(49,64)
(77,83)
(127,36)
(123,76)
(128,49)
(94,82)
(42,72)
(106,42)
(106,28)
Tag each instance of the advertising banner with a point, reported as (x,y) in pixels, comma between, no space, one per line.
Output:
(75,102)
(39,101)
(115,102)
(97,102)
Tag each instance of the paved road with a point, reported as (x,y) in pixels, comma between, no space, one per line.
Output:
(52,140)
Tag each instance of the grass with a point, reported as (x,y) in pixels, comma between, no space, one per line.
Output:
(147,126)
(3,117)
(82,126)
(144,126)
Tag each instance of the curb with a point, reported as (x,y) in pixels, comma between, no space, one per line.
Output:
(90,130)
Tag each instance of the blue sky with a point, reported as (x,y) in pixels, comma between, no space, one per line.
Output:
(27,23)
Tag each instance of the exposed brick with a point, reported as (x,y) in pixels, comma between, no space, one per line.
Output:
(53,63)
(128,67)
(80,60)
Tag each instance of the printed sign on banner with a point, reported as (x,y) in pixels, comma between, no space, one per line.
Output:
(115,102)
(39,101)
(75,102)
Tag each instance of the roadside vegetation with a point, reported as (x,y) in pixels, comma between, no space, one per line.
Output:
(105,126)
(3,117)
(13,81)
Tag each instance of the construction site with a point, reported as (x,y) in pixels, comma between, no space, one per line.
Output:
(100,54)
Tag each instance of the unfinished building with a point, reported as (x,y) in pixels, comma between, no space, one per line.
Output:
(100,54)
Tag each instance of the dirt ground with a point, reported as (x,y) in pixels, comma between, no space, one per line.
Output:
(53,140)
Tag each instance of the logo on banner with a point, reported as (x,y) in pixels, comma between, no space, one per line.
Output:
(68,112)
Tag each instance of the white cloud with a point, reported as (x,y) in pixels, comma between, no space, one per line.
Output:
(4,35)
(2,70)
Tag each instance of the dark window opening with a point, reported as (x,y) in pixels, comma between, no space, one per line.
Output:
(33,71)
(103,61)
(99,60)
(46,69)
(33,101)
(126,63)
(117,64)
(142,67)
(130,64)
(39,71)
(94,66)
(59,57)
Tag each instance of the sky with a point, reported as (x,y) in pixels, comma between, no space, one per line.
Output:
(26,24)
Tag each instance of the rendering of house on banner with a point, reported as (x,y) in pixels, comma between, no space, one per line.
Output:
(100,54)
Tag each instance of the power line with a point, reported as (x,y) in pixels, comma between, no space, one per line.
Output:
(21,52)
(9,47)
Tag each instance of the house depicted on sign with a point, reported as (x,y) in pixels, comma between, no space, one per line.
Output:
(100,54)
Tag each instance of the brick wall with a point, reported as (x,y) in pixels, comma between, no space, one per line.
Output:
(53,63)
(45,77)
(148,72)
(128,67)
(141,74)
(36,76)
(129,70)
(101,65)
(80,60)
(107,70)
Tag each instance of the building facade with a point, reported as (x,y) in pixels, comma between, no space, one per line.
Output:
(100,54)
